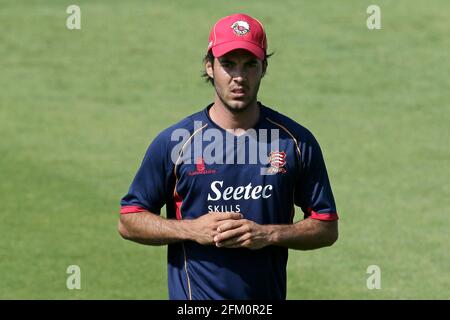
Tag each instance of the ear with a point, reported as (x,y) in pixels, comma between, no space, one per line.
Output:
(209,69)
(264,68)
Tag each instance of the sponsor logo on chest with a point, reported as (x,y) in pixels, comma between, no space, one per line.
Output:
(219,192)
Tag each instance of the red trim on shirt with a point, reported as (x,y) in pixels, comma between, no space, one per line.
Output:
(322,216)
(131,209)
(178,203)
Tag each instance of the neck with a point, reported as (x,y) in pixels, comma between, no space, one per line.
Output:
(234,121)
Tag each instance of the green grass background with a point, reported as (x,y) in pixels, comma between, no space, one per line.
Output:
(79,108)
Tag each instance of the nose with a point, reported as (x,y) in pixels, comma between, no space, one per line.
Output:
(239,75)
(239,79)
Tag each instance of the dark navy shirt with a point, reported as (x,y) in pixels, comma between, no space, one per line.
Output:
(194,170)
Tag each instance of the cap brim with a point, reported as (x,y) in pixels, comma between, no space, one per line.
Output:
(224,48)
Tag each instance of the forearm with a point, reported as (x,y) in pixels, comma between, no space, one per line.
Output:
(307,234)
(151,229)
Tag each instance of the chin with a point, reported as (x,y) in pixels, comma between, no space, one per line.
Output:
(237,105)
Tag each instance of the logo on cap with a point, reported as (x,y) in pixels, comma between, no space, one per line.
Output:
(240,27)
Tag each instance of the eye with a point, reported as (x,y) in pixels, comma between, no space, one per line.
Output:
(252,64)
(226,64)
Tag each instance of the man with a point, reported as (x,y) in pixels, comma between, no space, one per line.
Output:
(230,218)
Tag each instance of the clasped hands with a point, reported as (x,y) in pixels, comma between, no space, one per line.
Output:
(229,230)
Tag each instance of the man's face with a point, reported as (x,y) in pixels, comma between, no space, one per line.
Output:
(237,76)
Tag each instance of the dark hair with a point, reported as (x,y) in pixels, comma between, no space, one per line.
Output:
(209,57)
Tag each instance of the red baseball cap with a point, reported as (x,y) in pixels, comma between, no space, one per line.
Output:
(238,31)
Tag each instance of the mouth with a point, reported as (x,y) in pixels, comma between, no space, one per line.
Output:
(238,92)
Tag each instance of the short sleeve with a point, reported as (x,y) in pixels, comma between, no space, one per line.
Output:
(313,192)
(150,187)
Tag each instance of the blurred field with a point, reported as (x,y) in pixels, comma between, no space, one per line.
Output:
(79,108)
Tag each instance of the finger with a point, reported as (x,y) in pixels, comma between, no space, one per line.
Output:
(236,245)
(229,215)
(230,224)
(236,242)
(222,236)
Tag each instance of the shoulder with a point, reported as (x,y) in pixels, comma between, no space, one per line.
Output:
(302,134)
(165,147)
(172,135)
